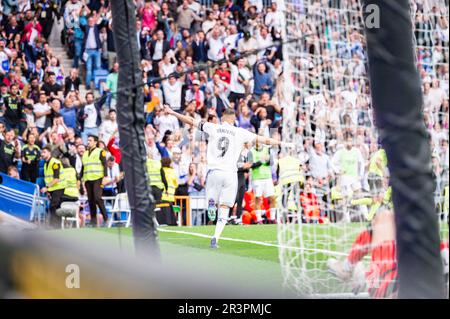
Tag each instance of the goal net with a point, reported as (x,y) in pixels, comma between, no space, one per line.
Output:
(327,108)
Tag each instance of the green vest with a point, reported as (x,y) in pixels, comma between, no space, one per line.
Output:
(373,167)
(349,162)
(171,178)
(92,166)
(289,170)
(48,174)
(70,178)
(264,171)
(154,173)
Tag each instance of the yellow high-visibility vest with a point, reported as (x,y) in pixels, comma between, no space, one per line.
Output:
(49,168)
(70,178)
(154,173)
(172,184)
(92,165)
(289,170)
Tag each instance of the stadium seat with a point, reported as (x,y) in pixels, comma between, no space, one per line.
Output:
(121,206)
(99,77)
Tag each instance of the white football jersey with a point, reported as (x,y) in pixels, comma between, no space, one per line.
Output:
(225,143)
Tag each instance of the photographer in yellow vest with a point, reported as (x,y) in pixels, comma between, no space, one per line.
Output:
(69,175)
(156,178)
(93,175)
(54,184)
(167,215)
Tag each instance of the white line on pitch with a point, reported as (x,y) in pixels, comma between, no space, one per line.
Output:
(261,243)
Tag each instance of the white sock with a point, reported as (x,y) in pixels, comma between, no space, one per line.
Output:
(222,218)
(273,213)
(258,215)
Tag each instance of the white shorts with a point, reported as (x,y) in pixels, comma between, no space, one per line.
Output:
(221,187)
(263,187)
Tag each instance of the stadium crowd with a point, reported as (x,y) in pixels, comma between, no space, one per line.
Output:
(45,106)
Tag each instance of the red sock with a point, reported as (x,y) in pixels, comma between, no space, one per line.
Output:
(360,247)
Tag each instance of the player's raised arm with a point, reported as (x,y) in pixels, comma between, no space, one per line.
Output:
(183,118)
(272,141)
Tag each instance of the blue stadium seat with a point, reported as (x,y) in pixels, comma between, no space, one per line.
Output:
(100,75)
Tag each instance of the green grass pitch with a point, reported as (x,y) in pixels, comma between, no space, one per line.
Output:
(249,258)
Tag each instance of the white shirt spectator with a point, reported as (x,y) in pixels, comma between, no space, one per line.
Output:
(91,120)
(167,69)
(216,46)
(91,43)
(257,3)
(230,42)
(38,107)
(172,94)
(320,165)
(158,53)
(166,122)
(195,6)
(107,129)
(235,85)
(249,45)
(112,173)
(263,42)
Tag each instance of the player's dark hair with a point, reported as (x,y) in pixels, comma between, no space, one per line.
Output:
(228,112)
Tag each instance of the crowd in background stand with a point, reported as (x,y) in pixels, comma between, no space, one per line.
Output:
(43,104)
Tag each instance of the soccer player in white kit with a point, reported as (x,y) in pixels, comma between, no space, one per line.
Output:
(225,143)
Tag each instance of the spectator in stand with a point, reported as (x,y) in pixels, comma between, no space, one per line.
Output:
(108,127)
(89,117)
(72,82)
(240,81)
(113,177)
(92,47)
(173,89)
(31,154)
(51,88)
(9,150)
(263,80)
(14,105)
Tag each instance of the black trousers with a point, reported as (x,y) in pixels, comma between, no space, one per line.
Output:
(66,198)
(157,194)
(240,194)
(94,195)
(55,203)
(29,172)
(166,216)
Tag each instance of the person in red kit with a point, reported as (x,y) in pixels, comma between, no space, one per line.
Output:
(249,215)
(113,147)
(224,72)
(378,240)
(310,205)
